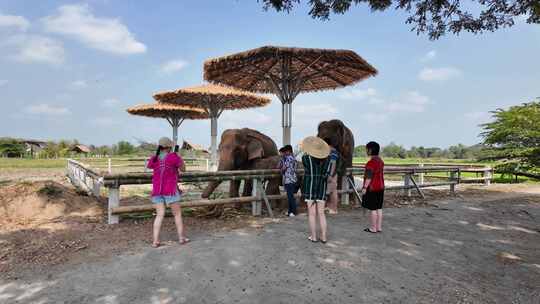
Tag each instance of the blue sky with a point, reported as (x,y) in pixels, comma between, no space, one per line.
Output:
(70,69)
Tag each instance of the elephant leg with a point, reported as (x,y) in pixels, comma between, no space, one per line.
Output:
(234,189)
(248,187)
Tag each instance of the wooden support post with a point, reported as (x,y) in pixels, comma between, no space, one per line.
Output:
(487,176)
(453,179)
(265,199)
(256,208)
(421,175)
(407,183)
(344,186)
(114,201)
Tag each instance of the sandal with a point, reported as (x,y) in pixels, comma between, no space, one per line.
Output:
(156,244)
(312,240)
(324,241)
(184,240)
(369,230)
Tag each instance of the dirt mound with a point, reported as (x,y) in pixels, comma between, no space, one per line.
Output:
(44,201)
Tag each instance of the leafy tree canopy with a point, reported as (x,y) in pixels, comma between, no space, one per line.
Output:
(434,17)
(514,136)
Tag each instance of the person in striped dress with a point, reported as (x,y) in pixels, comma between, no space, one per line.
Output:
(316,167)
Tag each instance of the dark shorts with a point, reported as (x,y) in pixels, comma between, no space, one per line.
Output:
(373,200)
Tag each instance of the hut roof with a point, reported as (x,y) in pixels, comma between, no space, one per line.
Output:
(212,95)
(320,69)
(81,148)
(164,110)
(190,146)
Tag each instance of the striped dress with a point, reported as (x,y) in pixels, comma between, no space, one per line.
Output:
(315,177)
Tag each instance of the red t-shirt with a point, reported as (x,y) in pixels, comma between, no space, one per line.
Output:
(374,170)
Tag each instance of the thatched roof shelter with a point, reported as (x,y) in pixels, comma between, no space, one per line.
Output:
(194,147)
(286,72)
(174,114)
(214,99)
(210,95)
(80,149)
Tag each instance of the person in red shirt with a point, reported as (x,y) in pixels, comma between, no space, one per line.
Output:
(373,188)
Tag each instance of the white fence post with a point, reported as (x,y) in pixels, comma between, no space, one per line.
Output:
(96,187)
(487,176)
(109,165)
(114,201)
(256,206)
(421,175)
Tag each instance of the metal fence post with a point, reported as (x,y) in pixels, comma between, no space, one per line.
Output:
(344,187)
(114,201)
(109,165)
(256,206)
(407,183)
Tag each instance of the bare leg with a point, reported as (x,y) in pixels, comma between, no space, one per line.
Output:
(334,201)
(374,221)
(160,213)
(312,213)
(379,220)
(177,212)
(322,220)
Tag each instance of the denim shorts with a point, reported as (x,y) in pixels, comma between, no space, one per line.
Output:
(166,199)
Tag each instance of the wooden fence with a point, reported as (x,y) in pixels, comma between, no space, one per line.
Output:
(413,180)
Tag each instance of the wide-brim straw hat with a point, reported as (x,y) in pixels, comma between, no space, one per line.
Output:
(315,146)
(166,142)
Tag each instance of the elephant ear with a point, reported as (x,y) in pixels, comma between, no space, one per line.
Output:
(255,149)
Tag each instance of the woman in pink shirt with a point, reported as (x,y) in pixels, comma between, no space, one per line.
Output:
(167,166)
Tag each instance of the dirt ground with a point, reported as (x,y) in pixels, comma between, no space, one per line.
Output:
(479,246)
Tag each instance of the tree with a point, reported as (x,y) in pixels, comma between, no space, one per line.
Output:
(393,150)
(123,147)
(360,151)
(514,136)
(434,17)
(11,148)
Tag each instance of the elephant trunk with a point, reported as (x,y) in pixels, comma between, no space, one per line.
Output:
(223,166)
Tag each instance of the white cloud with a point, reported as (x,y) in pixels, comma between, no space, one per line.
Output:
(110,102)
(411,102)
(36,49)
(374,118)
(46,109)
(3,82)
(358,94)
(103,121)
(105,34)
(241,118)
(439,74)
(314,110)
(478,116)
(173,66)
(79,84)
(429,56)
(18,22)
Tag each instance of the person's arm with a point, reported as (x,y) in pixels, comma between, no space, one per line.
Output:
(181,165)
(152,161)
(367,178)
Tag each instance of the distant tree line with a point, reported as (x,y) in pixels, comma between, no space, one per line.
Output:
(459,151)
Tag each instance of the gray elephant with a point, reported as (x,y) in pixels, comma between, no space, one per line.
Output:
(246,149)
(338,135)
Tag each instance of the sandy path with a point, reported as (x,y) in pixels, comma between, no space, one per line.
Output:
(458,252)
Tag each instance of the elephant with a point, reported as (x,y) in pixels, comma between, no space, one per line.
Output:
(246,149)
(338,135)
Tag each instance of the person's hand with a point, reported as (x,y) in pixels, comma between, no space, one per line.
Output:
(364,191)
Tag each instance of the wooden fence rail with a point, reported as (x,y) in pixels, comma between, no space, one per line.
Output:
(84,177)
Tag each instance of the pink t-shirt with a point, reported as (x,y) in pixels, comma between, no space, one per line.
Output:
(165,177)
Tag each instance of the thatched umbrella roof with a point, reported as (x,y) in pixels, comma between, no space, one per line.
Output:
(286,72)
(174,114)
(162,110)
(206,96)
(214,99)
(317,69)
